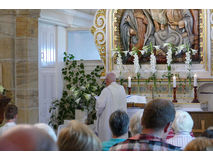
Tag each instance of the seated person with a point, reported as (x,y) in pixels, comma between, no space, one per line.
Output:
(10,116)
(78,137)
(26,138)
(47,129)
(135,126)
(200,144)
(208,133)
(156,121)
(182,126)
(119,123)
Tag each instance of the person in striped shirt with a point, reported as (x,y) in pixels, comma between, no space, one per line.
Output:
(182,126)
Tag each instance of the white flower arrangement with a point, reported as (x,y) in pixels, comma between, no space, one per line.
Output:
(188,62)
(134,53)
(169,56)
(136,63)
(119,63)
(153,63)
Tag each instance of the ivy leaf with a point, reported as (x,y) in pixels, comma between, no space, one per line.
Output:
(82,66)
(68,86)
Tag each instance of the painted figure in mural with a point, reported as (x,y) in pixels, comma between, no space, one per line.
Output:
(136,28)
(128,29)
(159,18)
(179,28)
(139,27)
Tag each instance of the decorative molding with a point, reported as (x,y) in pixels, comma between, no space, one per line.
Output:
(99,31)
(78,14)
(66,18)
(203,38)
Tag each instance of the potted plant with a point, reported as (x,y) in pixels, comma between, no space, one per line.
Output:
(79,92)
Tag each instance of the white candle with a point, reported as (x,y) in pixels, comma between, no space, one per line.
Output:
(195,80)
(129,82)
(174,81)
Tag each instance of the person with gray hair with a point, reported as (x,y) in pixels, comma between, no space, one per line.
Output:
(182,126)
(118,122)
(135,126)
(78,137)
(27,138)
(47,129)
(112,98)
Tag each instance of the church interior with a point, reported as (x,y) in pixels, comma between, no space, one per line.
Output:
(53,62)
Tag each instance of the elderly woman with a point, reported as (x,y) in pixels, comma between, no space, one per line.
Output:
(135,126)
(182,126)
(78,137)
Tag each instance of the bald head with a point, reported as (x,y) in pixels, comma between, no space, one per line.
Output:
(110,77)
(26,138)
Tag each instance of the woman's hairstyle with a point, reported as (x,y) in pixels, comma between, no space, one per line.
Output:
(183,122)
(78,137)
(200,144)
(135,126)
(119,123)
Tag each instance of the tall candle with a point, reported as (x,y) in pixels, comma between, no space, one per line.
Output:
(174,81)
(129,82)
(195,80)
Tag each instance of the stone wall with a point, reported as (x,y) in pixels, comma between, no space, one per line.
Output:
(19,59)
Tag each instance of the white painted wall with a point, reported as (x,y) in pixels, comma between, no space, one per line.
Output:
(81,44)
(52,42)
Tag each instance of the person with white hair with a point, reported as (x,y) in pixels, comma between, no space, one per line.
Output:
(182,126)
(112,98)
(135,126)
(47,129)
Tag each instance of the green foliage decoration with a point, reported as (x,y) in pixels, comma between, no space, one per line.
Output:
(79,92)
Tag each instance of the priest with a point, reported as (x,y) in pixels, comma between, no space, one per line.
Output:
(112,98)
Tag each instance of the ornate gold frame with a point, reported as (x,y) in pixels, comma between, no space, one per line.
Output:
(99,32)
(114,16)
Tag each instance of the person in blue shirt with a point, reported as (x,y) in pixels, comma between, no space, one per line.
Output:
(119,124)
